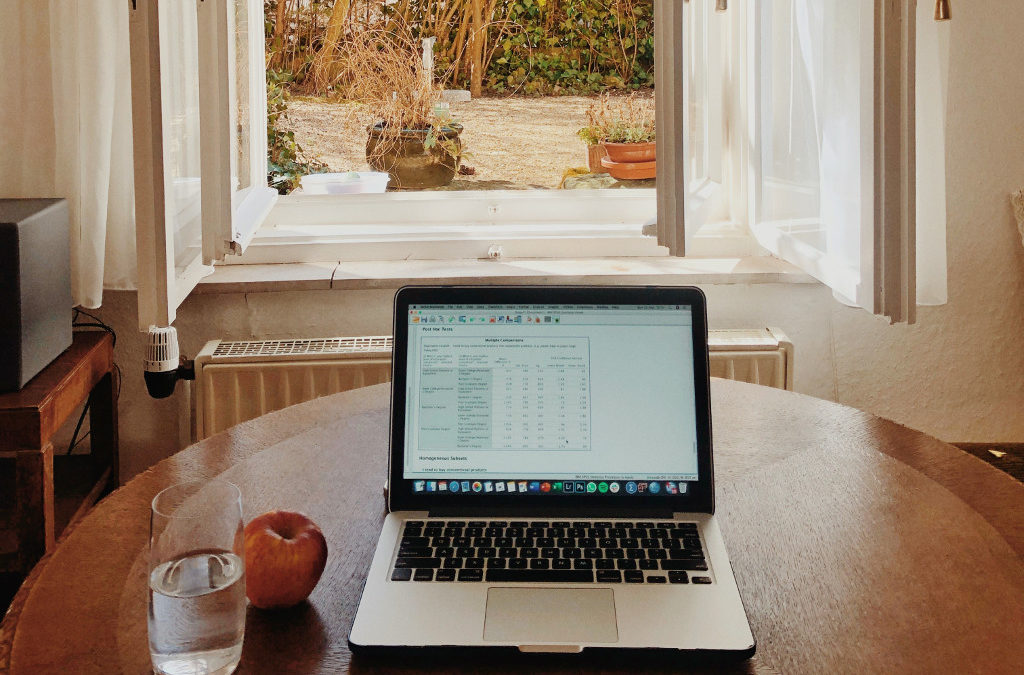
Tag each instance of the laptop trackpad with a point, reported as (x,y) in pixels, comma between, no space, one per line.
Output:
(534,616)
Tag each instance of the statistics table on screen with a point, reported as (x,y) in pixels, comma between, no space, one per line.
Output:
(479,393)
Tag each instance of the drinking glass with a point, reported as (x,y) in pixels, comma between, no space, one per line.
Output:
(196,579)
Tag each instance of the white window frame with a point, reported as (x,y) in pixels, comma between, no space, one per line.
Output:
(164,282)
(885,283)
(476,224)
(231,215)
(706,215)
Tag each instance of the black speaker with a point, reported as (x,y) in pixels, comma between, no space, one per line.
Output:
(35,287)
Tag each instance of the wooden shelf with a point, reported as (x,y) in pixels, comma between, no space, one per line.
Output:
(43,492)
(78,483)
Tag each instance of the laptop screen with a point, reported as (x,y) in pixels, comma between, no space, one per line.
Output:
(550,399)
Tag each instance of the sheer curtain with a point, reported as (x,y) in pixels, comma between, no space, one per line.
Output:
(815,198)
(65,129)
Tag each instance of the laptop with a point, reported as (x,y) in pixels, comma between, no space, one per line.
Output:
(551,478)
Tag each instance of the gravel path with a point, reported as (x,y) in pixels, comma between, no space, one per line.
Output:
(512,142)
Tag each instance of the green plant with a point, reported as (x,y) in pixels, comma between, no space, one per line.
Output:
(624,120)
(286,164)
(524,46)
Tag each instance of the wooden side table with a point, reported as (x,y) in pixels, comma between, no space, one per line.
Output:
(45,501)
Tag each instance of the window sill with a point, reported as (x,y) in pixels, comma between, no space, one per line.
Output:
(397,273)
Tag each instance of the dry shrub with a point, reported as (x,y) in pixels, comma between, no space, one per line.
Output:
(387,81)
(624,120)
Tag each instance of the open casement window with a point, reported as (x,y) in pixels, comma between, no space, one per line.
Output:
(233,100)
(200,189)
(694,51)
(830,97)
(168,174)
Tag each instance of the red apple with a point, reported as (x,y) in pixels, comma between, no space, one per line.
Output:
(285,554)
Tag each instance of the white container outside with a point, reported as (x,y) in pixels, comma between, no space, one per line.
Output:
(353,182)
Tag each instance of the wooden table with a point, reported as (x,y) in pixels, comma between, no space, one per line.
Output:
(28,420)
(859,546)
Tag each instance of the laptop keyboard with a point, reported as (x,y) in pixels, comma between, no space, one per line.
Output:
(632,552)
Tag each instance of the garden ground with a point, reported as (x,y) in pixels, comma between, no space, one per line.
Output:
(511,142)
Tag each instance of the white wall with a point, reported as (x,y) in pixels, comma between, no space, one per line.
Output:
(958,373)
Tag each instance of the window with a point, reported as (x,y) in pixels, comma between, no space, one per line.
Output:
(236,199)
(772,123)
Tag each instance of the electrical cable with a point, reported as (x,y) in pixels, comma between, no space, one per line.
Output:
(95,323)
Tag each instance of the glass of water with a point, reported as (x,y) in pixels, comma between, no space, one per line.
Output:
(196,579)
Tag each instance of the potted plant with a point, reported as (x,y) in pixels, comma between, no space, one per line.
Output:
(412,137)
(624,130)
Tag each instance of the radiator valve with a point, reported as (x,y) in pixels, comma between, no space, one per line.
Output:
(163,365)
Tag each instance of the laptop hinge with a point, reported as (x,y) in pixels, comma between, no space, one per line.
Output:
(549,513)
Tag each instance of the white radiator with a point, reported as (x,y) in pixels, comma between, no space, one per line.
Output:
(237,381)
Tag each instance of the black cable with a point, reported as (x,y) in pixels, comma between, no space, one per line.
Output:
(95,323)
(78,427)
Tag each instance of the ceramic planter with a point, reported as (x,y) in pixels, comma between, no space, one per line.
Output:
(630,152)
(630,161)
(408,162)
(594,155)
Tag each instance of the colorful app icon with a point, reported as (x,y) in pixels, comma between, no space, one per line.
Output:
(511,486)
(418,486)
(477,486)
(568,486)
(465,486)
(499,486)
(522,486)
(641,487)
(442,486)
(671,488)
(613,488)
(602,487)
(534,486)
(431,486)
(545,487)
(581,486)
(556,486)
(655,488)
(591,487)
(682,487)
(488,486)
(454,486)
(631,488)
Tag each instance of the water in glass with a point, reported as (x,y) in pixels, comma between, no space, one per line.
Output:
(197,613)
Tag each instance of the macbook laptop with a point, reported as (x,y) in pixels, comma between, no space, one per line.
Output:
(551,477)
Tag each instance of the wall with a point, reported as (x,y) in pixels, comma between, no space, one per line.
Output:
(957,374)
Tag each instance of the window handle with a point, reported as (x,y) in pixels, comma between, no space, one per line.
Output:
(721,5)
(942,11)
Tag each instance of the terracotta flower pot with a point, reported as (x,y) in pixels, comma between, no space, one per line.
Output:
(629,170)
(594,155)
(630,152)
(408,162)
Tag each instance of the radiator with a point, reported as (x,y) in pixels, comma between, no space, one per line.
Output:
(237,381)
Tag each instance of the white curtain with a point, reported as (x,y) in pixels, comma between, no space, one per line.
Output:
(66,128)
(815,206)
